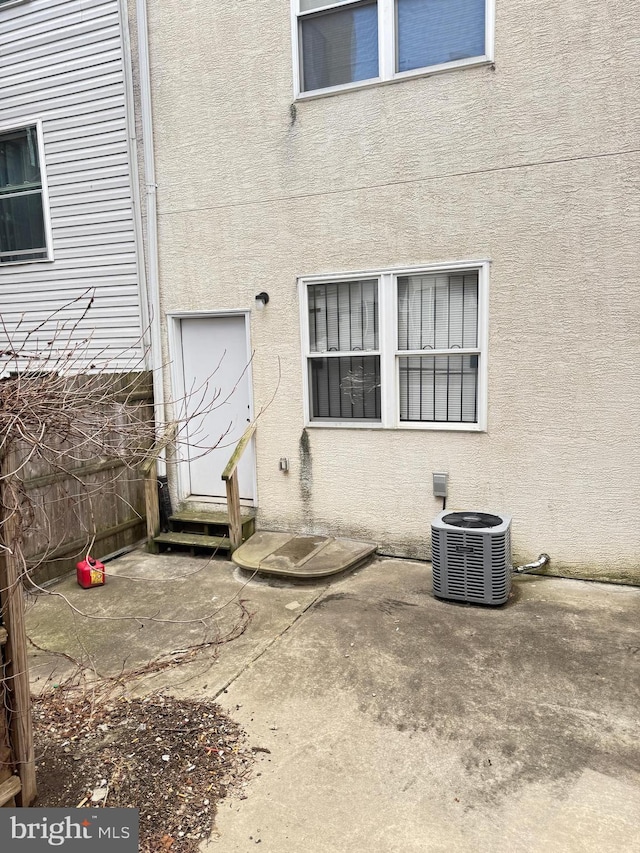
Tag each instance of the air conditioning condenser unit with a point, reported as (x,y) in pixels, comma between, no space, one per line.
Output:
(471,556)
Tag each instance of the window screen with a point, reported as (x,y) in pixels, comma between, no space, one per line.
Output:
(431,32)
(339,46)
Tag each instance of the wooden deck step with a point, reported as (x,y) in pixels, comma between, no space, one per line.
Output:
(192,516)
(208,523)
(201,529)
(192,541)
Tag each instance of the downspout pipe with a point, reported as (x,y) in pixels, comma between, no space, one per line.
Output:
(542,560)
(153,287)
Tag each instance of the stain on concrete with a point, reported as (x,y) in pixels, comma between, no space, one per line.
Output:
(520,690)
(388,605)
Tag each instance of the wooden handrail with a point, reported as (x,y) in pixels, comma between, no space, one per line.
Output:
(229,475)
(241,446)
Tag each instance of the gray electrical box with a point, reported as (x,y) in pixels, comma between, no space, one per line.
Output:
(440,483)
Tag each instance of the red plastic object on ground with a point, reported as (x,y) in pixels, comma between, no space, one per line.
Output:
(90,573)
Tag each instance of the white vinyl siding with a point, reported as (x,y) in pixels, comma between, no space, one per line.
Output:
(61,65)
(397,348)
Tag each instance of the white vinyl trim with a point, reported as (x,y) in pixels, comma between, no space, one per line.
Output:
(132,155)
(388,352)
(386,41)
(490,30)
(387,50)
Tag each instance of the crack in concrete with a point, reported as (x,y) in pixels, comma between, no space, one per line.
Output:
(271,643)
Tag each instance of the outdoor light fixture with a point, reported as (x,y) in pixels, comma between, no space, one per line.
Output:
(261,300)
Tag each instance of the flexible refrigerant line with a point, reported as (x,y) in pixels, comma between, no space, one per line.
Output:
(542,560)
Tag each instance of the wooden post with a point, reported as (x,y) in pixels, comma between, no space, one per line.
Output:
(230,476)
(18,694)
(149,469)
(151,501)
(233,506)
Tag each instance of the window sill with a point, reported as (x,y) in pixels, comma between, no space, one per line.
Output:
(22,263)
(413,426)
(316,94)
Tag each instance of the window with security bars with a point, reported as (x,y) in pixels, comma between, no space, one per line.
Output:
(343,325)
(22,219)
(438,350)
(392,349)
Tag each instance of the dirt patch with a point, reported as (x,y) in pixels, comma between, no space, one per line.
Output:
(172,759)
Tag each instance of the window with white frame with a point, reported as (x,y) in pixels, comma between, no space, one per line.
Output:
(397,348)
(23,229)
(348,42)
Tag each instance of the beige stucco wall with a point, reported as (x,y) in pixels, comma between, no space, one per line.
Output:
(533,164)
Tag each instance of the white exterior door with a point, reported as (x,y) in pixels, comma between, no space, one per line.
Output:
(215,363)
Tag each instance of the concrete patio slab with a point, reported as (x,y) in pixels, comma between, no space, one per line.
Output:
(151,606)
(390,721)
(399,723)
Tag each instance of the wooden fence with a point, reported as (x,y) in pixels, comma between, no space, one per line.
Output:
(95,499)
(58,504)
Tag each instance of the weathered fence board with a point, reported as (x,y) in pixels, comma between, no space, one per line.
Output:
(8,790)
(6,753)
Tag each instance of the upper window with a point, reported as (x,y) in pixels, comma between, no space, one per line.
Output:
(343,43)
(397,349)
(23,230)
